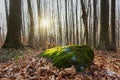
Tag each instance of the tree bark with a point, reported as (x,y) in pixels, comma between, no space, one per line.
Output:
(77,32)
(31,27)
(94,22)
(13,38)
(113,25)
(85,21)
(39,18)
(59,26)
(66,16)
(104,42)
(73,26)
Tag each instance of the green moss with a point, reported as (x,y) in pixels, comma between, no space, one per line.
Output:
(62,57)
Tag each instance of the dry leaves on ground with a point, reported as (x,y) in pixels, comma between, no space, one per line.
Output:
(106,67)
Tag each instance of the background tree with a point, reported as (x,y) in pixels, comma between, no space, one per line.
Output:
(6,11)
(94,22)
(65,21)
(77,30)
(85,20)
(59,25)
(73,22)
(39,18)
(31,27)
(66,16)
(13,39)
(104,42)
(113,25)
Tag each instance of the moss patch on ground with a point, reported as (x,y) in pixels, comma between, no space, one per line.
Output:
(63,57)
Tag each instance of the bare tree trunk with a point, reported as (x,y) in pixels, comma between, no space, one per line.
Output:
(94,22)
(59,26)
(31,33)
(77,33)
(104,43)
(73,26)
(113,25)
(66,16)
(39,19)
(70,23)
(89,23)
(85,21)
(13,39)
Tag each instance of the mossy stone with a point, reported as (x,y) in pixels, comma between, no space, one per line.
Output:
(63,57)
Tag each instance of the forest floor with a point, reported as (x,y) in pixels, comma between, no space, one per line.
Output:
(24,65)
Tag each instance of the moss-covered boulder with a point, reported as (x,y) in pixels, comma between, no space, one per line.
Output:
(63,57)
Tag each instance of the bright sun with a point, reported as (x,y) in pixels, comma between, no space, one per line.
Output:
(45,22)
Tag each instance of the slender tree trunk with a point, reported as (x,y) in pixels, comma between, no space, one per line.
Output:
(89,24)
(77,31)
(66,16)
(39,18)
(113,25)
(59,26)
(70,23)
(94,22)
(85,21)
(31,33)
(73,26)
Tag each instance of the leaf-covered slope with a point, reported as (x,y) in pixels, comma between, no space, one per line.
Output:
(63,57)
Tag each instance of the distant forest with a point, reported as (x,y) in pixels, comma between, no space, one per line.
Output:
(49,23)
